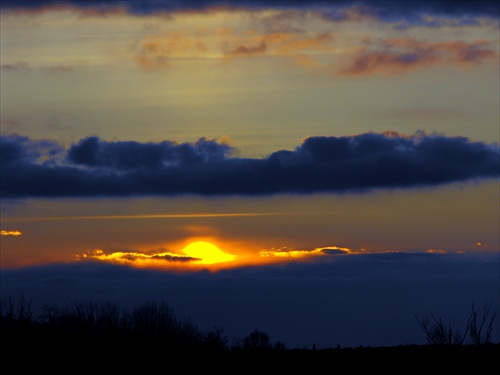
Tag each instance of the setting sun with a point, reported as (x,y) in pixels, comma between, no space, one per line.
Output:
(207,253)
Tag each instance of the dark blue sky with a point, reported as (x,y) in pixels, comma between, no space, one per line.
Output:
(352,300)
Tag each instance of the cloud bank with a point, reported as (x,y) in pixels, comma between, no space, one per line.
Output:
(381,8)
(94,167)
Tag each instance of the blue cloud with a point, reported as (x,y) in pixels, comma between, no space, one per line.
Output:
(95,167)
(384,9)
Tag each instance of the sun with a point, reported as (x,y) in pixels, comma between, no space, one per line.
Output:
(207,253)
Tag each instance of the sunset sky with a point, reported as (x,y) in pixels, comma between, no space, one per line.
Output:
(332,158)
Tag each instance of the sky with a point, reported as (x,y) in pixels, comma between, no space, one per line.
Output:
(323,171)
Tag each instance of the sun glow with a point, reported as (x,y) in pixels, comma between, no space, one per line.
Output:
(207,253)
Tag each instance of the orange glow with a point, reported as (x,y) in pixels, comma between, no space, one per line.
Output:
(290,253)
(203,253)
(207,253)
(10,233)
(195,255)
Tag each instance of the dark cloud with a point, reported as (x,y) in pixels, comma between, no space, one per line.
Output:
(94,167)
(384,9)
(171,258)
(92,152)
(334,251)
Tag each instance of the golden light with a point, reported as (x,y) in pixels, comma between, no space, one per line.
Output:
(10,233)
(207,253)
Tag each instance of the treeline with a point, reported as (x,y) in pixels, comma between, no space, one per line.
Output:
(153,328)
(107,323)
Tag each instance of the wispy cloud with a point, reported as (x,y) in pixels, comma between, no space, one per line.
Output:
(159,51)
(24,66)
(396,56)
(391,56)
(15,66)
(313,35)
(153,216)
(323,51)
(95,167)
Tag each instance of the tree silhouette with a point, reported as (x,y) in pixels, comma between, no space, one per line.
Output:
(153,328)
(479,326)
(257,340)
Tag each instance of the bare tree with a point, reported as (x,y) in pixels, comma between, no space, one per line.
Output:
(437,333)
(20,311)
(480,324)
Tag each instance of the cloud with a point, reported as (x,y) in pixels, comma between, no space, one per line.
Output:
(399,14)
(249,51)
(24,66)
(321,51)
(400,55)
(282,33)
(294,253)
(197,255)
(383,9)
(95,167)
(157,51)
(137,259)
(280,44)
(15,66)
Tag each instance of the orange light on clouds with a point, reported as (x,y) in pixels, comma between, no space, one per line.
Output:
(480,244)
(288,253)
(137,259)
(200,253)
(436,251)
(10,233)
(195,254)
